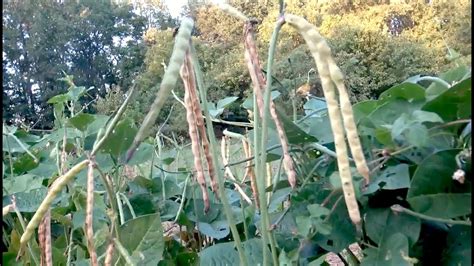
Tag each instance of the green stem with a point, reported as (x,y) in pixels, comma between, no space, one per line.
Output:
(123,252)
(119,204)
(264,137)
(23,226)
(183,197)
(114,121)
(398,208)
(10,158)
(213,145)
(130,208)
(113,201)
(436,80)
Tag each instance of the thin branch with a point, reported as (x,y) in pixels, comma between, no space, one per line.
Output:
(398,208)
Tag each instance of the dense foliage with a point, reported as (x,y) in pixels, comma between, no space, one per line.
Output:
(412,107)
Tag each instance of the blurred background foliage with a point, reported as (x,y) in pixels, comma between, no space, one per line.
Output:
(106,45)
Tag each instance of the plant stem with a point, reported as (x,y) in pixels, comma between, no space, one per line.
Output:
(23,226)
(114,121)
(112,199)
(398,208)
(213,146)
(183,196)
(123,252)
(436,80)
(264,137)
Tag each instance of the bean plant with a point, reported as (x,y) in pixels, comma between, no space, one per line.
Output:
(270,195)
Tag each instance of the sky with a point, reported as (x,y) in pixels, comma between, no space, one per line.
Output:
(175,6)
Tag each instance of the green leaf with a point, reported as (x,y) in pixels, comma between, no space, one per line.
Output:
(76,92)
(343,232)
(363,109)
(23,183)
(445,205)
(434,174)
(120,139)
(143,154)
(223,103)
(318,211)
(81,121)
(10,144)
(423,116)
(216,229)
(304,225)
(453,75)
(452,104)
(29,201)
(392,252)
(314,105)
(393,177)
(277,198)
(143,239)
(381,223)
(408,91)
(60,98)
(226,254)
(388,112)
(417,135)
(384,136)
(459,246)
(319,127)
(98,123)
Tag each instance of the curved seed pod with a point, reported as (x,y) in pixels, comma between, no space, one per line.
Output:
(89,218)
(200,123)
(258,80)
(232,11)
(44,234)
(228,172)
(7,209)
(250,173)
(348,118)
(169,80)
(109,254)
(55,189)
(321,52)
(193,134)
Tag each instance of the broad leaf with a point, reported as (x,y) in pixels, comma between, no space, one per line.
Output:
(143,238)
(81,121)
(381,223)
(459,246)
(120,139)
(407,91)
(454,103)
(445,205)
(216,229)
(392,252)
(226,253)
(434,174)
(393,177)
(223,103)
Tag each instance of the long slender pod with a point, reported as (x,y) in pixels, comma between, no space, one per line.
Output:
(348,118)
(89,214)
(200,124)
(55,189)
(169,80)
(321,51)
(193,134)
(258,80)
(220,177)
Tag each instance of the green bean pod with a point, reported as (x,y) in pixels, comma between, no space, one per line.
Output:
(321,52)
(48,200)
(169,81)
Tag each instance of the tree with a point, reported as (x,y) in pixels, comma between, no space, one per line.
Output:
(97,42)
